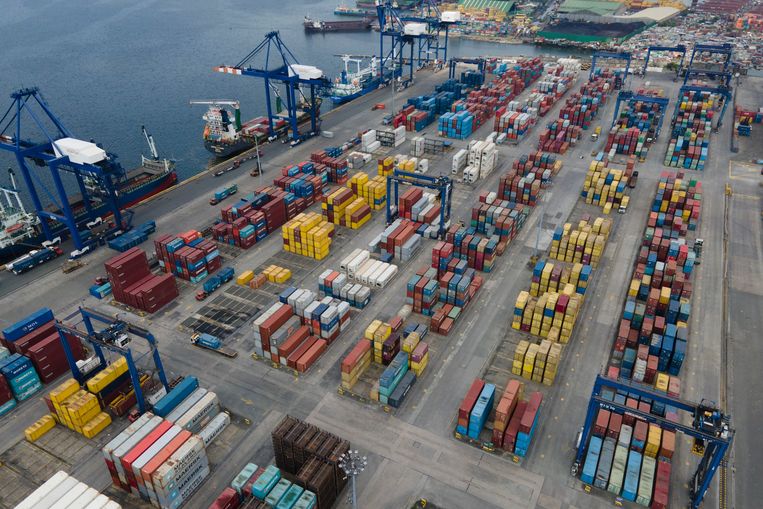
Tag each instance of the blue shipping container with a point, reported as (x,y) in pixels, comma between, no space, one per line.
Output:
(28,324)
(173,398)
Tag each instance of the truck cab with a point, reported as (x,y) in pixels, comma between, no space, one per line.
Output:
(633,180)
(596,133)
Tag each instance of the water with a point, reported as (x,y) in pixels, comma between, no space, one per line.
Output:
(106,68)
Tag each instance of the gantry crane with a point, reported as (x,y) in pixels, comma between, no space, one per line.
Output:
(710,428)
(724,50)
(613,56)
(721,90)
(680,48)
(454,61)
(114,337)
(630,97)
(442,184)
(286,71)
(96,172)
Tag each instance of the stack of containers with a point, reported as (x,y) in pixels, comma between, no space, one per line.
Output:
(133,238)
(653,333)
(584,243)
(481,411)
(456,292)
(605,186)
(458,125)
(551,316)
(261,212)
(482,158)
(499,217)
(504,410)
(399,240)
(312,457)
(580,109)
(515,124)
(528,424)
(555,277)
(537,362)
(373,191)
(628,141)
(359,266)
(335,284)
(7,401)
(342,207)
(277,274)
(20,376)
(559,136)
(63,490)
(527,177)
(460,159)
(479,253)
(306,180)
(690,138)
(77,409)
(422,292)
(133,284)
(188,255)
(355,363)
(368,141)
(395,379)
(385,166)
(308,234)
(37,338)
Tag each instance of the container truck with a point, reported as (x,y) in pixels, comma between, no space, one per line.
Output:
(222,193)
(214,282)
(210,342)
(32,259)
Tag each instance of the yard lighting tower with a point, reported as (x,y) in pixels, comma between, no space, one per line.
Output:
(352,464)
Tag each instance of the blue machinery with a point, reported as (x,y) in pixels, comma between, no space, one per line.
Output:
(710,428)
(286,74)
(708,50)
(442,184)
(479,62)
(109,338)
(30,109)
(392,26)
(680,48)
(614,56)
(630,97)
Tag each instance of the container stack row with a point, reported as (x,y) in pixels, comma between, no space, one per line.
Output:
(342,207)
(559,136)
(401,239)
(654,329)
(134,237)
(538,362)
(258,487)
(310,458)
(581,243)
(690,137)
(462,248)
(258,214)
(329,163)
(555,277)
(605,186)
(308,234)
(133,284)
(360,267)
(391,137)
(61,488)
(499,217)
(529,174)
(188,255)
(372,190)
(515,420)
(582,107)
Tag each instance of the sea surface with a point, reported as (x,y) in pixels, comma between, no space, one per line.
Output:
(106,67)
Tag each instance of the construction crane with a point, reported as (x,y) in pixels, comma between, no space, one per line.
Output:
(709,50)
(613,56)
(93,169)
(631,98)
(288,72)
(114,337)
(442,184)
(710,428)
(680,48)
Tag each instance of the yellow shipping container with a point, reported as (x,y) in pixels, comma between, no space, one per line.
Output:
(245,277)
(113,371)
(653,440)
(39,428)
(96,425)
(63,391)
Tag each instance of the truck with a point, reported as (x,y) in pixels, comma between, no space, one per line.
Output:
(32,259)
(223,193)
(210,342)
(595,134)
(214,282)
(633,180)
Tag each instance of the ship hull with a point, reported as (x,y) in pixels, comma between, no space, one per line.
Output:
(337,26)
(342,99)
(128,198)
(226,150)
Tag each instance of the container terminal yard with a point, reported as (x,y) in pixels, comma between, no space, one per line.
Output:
(449,438)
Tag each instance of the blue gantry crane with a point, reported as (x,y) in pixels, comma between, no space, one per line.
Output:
(114,337)
(429,13)
(710,428)
(598,55)
(629,97)
(96,172)
(718,69)
(679,48)
(286,71)
(442,184)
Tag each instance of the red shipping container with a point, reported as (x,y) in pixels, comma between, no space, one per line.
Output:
(510,437)
(468,402)
(602,422)
(533,407)
(311,355)
(140,448)
(293,341)
(291,361)
(24,343)
(228,499)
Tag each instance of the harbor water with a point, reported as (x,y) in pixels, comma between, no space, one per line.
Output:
(107,67)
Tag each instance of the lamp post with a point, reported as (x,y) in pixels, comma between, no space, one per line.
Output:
(352,464)
(259,165)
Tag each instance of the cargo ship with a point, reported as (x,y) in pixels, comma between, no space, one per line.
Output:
(225,135)
(401,4)
(354,25)
(20,231)
(355,84)
(343,10)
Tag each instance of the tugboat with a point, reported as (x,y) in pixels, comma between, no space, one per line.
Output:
(354,25)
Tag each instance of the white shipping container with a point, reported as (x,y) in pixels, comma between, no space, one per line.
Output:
(118,440)
(459,161)
(31,501)
(56,493)
(216,426)
(186,404)
(178,462)
(152,451)
(207,407)
(131,442)
(423,166)
(347,259)
(169,496)
(386,276)
(89,495)
(357,262)
(69,497)
(363,268)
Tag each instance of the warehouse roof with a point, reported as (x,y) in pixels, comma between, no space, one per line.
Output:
(653,13)
(498,5)
(597,7)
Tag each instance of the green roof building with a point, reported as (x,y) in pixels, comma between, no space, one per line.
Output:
(591,7)
(506,6)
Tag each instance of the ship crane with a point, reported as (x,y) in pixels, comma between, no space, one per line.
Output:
(283,69)
(58,151)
